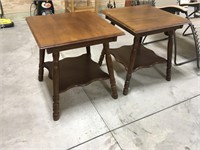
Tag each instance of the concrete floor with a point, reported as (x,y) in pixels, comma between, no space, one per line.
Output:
(155,115)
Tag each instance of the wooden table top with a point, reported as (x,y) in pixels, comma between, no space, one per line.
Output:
(144,18)
(70,28)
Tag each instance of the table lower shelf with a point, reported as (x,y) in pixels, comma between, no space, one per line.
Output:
(77,71)
(145,57)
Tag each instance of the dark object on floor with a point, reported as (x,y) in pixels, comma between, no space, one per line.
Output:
(44,7)
(5,23)
(110,5)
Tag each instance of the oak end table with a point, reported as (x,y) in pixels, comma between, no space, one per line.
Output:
(141,21)
(68,31)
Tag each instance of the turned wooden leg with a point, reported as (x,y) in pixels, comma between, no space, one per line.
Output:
(110,71)
(88,51)
(134,50)
(169,55)
(102,56)
(56,114)
(41,64)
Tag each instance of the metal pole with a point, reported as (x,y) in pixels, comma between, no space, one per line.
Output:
(1,7)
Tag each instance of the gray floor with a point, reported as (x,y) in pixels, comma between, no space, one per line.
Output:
(155,115)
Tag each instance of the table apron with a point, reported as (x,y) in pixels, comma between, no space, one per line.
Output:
(78,45)
(145,33)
